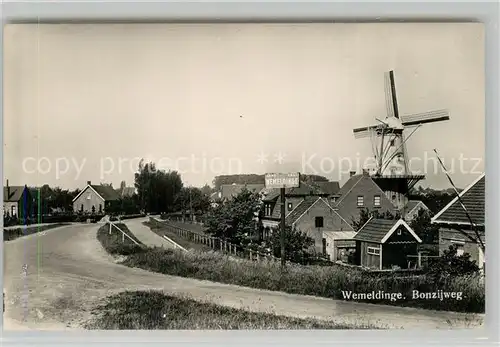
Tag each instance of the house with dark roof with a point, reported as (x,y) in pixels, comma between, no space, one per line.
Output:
(386,244)
(360,192)
(307,209)
(412,209)
(17,200)
(455,227)
(228,191)
(95,199)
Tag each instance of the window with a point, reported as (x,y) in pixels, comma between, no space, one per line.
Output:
(13,211)
(373,250)
(399,232)
(393,197)
(268,209)
(81,207)
(376,200)
(361,200)
(89,196)
(318,222)
(334,200)
(290,206)
(460,247)
(100,208)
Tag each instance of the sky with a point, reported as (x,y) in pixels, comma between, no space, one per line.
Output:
(86,102)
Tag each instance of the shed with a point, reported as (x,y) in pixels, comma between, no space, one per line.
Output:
(385,243)
(339,244)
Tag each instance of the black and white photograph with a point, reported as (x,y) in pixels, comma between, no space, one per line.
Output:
(250,176)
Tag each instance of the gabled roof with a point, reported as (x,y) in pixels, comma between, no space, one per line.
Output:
(413,204)
(339,235)
(348,186)
(230,190)
(107,193)
(15,193)
(379,230)
(473,198)
(300,209)
(330,188)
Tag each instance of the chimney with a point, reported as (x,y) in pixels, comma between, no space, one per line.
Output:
(89,183)
(352,173)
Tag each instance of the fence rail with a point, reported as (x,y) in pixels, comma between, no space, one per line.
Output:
(124,234)
(215,243)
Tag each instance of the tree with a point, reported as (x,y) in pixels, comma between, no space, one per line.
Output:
(451,264)
(207,190)
(421,224)
(156,189)
(236,219)
(297,244)
(193,197)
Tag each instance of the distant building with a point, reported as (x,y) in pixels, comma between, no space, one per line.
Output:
(306,208)
(95,199)
(361,192)
(228,191)
(17,200)
(412,208)
(385,244)
(453,222)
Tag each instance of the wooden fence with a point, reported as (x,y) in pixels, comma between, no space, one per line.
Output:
(124,234)
(214,243)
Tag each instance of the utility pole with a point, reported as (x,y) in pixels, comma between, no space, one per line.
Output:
(190,205)
(283,262)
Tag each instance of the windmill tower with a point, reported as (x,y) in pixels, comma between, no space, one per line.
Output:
(392,173)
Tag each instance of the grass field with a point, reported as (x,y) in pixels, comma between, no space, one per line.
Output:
(114,242)
(323,281)
(176,238)
(12,234)
(148,310)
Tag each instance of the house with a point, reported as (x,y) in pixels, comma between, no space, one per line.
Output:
(17,200)
(412,208)
(340,245)
(95,199)
(454,224)
(385,244)
(307,209)
(360,192)
(228,191)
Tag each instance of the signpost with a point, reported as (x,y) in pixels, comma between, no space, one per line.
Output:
(282,181)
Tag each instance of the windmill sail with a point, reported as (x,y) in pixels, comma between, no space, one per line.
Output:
(425,117)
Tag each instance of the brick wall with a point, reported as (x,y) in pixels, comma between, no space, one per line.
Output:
(331,222)
(95,200)
(368,189)
(448,237)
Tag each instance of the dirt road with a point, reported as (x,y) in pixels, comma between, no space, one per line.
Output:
(68,270)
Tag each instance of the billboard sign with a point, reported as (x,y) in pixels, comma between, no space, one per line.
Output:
(282,180)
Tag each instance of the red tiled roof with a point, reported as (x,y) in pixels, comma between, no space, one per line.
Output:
(473,198)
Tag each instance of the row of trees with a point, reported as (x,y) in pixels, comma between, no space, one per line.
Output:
(239,222)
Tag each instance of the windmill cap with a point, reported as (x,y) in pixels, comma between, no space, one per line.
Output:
(394,123)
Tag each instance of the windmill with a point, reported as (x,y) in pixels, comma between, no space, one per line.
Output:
(389,144)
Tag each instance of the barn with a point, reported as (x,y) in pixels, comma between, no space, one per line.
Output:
(385,244)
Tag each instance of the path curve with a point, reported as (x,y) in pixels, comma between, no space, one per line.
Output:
(68,270)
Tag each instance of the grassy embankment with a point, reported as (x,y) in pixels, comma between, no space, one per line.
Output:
(12,234)
(320,281)
(147,310)
(155,310)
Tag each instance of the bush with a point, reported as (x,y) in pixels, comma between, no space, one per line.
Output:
(449,264)
(324,281)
